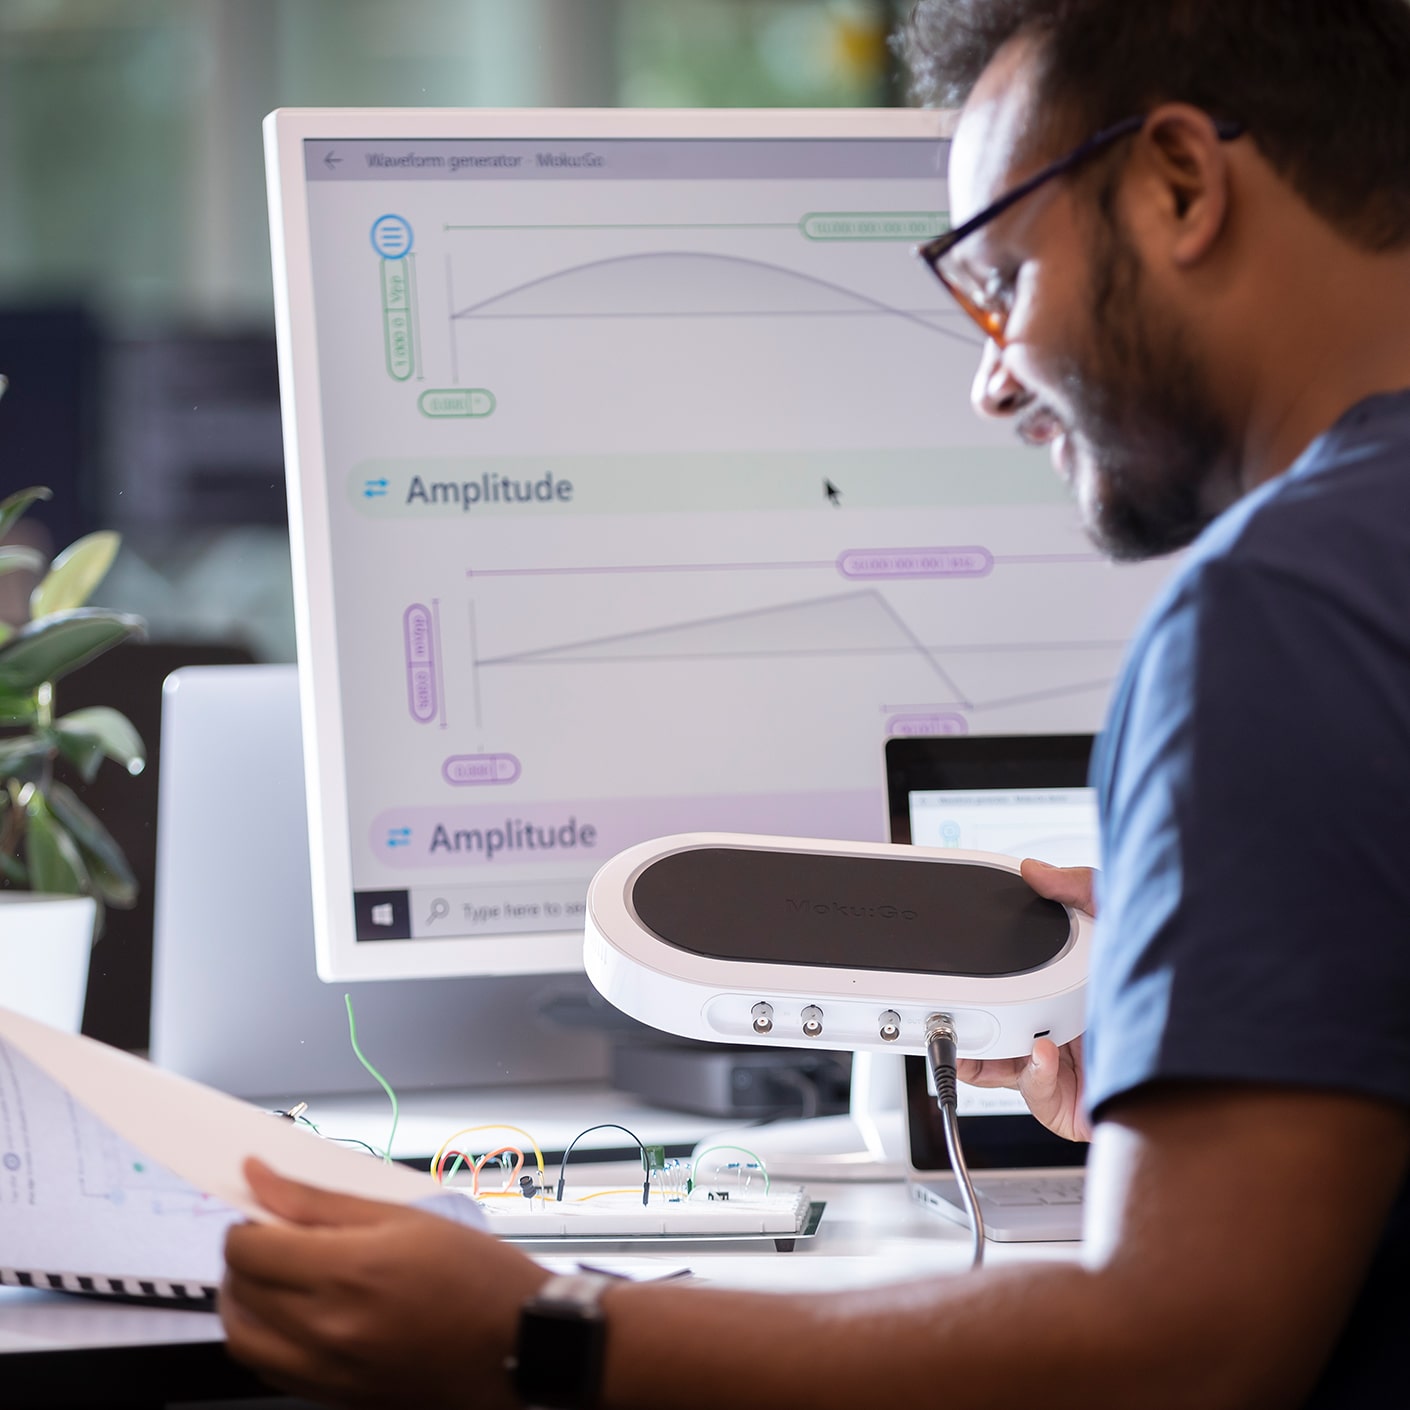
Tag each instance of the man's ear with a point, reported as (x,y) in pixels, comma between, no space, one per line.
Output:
(1189,167)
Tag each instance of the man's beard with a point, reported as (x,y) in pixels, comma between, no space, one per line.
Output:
(1158,457)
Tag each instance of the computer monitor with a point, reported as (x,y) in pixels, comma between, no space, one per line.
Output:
(634,489)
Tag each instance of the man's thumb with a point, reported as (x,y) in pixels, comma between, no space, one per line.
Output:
(1072,886)
(307,1204)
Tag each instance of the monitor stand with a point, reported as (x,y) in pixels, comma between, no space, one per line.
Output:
(868,1143)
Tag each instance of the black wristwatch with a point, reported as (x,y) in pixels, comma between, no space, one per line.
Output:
(557,1361)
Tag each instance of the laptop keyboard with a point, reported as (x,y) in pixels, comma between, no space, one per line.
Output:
(1010,1194)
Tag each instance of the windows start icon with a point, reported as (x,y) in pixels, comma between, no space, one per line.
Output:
(382,915)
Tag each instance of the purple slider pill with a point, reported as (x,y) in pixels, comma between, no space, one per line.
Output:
(469,769)
(419,632)
(970,562)
(938,723)
(421,693)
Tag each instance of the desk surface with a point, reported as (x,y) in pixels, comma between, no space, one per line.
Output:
(56,1347)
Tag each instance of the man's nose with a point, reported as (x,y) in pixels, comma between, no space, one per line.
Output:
(996,391)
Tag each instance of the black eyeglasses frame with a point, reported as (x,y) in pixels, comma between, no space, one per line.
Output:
(933,251)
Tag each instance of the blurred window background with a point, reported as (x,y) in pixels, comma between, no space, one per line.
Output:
(136,318)
(135,304)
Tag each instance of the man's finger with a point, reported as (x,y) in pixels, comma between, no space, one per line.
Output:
(993,1072)
(281,1256)
(1072,886)
(1038,1081)
(309,1205)
(272,1358)
(278,1360)
(290,1311)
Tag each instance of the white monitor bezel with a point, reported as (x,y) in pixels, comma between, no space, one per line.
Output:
(339,954)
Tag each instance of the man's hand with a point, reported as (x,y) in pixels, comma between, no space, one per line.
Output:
(1050,1080)
(354,1302)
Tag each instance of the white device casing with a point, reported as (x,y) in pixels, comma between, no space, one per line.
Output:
(710,998)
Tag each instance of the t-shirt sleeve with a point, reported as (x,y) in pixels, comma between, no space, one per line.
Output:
(1254,917)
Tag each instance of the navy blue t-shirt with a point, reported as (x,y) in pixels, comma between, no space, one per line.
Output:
(1254,788)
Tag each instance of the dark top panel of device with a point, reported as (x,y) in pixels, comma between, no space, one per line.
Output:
(877,913)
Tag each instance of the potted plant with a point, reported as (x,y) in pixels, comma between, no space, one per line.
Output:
(59,866)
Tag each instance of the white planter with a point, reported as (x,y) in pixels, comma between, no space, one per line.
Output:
(44,947)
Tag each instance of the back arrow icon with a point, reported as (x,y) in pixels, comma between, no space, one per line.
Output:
(330,160)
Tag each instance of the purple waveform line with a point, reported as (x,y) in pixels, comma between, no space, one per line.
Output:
(1055,693)
(1049,558)
(639,568)
(593,568)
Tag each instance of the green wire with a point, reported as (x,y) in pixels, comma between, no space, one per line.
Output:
(391,1095)
(740,1150)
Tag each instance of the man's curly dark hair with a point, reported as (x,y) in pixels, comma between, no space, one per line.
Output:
(1323,86)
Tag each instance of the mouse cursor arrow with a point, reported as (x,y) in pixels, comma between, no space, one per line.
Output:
(833,493)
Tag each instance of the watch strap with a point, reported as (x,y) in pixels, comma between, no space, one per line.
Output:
(558,1356)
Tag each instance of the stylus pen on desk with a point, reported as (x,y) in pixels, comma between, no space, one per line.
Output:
(612,1273)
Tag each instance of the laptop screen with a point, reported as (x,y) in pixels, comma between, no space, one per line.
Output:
(1057,825)
(1023,796)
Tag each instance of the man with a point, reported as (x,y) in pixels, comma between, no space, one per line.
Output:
(1200,301)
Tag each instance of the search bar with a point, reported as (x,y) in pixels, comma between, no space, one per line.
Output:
(510,908)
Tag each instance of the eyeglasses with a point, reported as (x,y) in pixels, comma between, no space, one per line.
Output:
(986,298)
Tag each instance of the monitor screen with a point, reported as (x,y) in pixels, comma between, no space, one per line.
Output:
(635,490)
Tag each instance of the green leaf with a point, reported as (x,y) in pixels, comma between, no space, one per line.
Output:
(12,869)
(44,651)
(23,756)
(51,854)
(76,572)
(14,557)
(111,733)
(81,750)
(104,859)
(17,503)
(16,708)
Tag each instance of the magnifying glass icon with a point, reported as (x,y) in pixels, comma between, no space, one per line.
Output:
(440,909)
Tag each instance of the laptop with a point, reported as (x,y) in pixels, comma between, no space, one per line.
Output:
(236,1002)
(1026,796)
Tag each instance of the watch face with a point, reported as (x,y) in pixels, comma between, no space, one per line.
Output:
(559,1356)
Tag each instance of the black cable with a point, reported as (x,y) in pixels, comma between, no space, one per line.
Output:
(353,1141)
(940,1047)
(299,1119)
(607,1126)
(808,1095)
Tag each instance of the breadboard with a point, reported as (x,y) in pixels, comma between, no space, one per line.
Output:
(784,1213)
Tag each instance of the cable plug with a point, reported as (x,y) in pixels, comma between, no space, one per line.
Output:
(941,1048)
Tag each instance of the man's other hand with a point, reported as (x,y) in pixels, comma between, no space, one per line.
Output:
(1050,1079)
(356,1302)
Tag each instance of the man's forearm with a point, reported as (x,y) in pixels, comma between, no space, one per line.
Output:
(1205,1282)
(1055,1335)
